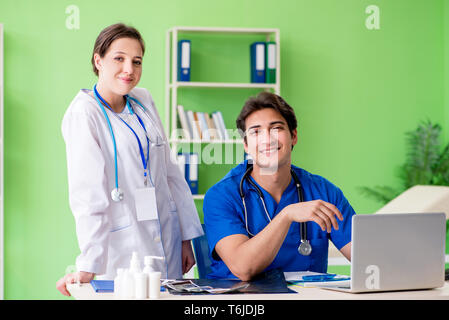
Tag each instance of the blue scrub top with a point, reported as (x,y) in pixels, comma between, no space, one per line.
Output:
(224,216)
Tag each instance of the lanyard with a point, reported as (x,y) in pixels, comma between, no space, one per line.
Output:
(142,156)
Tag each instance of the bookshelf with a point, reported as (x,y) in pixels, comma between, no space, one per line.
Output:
(172,85)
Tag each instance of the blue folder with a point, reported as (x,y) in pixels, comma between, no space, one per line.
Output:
(258,62)
(184,60)
(106,285)
(191,172)
(103,285)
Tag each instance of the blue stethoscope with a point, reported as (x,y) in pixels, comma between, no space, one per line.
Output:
(304,247)
(117,193)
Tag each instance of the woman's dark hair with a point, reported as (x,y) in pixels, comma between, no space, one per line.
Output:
(266,100)
(111,33)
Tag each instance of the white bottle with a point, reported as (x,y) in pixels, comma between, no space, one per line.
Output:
(150,267)
(128,285)
(155,285)
(118,284)
(141,285)
(134,264)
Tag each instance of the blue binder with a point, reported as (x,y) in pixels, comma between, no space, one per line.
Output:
(106,286)
(191,172)
(102,285)
(184,60)
(258,62)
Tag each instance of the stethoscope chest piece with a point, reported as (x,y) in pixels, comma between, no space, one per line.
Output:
(305,248)
(117,194)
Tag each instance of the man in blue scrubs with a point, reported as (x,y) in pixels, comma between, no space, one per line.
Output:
(269,236)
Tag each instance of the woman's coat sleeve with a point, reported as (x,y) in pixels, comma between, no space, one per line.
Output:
(88,195)
(186,209)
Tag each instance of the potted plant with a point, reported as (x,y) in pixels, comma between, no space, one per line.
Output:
(427,163)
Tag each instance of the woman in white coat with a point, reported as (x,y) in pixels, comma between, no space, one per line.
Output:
(125,192)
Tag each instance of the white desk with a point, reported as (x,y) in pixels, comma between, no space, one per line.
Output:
(86,292)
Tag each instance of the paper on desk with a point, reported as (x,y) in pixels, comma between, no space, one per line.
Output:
(343,282)
(188,286)
(298,276)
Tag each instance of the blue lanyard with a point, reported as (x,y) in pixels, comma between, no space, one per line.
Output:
(142,156)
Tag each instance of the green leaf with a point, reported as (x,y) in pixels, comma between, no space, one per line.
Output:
(441,169)
(424,164)
(422,153)
(382,194)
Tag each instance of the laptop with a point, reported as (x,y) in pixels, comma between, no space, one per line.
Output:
(395,252)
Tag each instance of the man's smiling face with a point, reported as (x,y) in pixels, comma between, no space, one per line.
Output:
(268,139)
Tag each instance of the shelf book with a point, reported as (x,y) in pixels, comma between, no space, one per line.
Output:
(202,126)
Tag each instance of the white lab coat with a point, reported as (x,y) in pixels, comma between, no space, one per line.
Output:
(108,232)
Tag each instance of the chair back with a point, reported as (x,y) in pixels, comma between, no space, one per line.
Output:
(201,251)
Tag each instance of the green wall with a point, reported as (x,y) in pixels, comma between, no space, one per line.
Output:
(356,91)
(446,66)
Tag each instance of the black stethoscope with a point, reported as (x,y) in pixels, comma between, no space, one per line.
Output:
(304,247)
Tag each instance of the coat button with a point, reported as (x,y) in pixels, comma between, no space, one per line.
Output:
(157,239)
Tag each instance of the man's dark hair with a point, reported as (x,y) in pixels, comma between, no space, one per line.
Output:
(266,100)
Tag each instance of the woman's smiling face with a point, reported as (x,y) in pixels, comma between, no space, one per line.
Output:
(121,67)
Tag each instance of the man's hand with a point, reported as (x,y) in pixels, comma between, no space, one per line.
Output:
(319,211)
(188,260)
(82,277)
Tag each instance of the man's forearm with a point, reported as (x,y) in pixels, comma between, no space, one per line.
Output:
(257,253)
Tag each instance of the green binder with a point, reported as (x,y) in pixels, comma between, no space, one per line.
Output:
(270,62)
